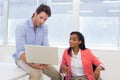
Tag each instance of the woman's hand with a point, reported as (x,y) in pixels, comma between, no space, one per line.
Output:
(97,73)
(64,69)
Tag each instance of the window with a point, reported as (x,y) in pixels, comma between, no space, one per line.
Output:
(1,17)
(60,23)
(19,10)
(99,22)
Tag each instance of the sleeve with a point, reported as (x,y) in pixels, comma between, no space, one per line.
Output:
(20,40)
(94,59)
(96,62)
(102,67)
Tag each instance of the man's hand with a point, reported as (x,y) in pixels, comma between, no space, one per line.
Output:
(34,65)
(38,66)
(23,57)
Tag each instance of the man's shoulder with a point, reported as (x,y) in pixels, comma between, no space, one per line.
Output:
(44,27)
(23,23)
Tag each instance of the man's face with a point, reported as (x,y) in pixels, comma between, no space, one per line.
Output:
(40,18)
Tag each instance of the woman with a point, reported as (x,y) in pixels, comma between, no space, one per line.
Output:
(77,61)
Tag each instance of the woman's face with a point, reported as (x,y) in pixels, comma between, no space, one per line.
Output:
(74,41)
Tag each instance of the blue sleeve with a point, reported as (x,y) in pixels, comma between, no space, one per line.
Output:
(20,40)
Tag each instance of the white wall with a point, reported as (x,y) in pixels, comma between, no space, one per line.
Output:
(6,54)
(110,58)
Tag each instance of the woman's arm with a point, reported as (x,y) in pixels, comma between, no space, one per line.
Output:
(97,73)
(96,70)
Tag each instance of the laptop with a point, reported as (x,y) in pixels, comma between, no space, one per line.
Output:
(41,54)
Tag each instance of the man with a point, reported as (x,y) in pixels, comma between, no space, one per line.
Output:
(34,31)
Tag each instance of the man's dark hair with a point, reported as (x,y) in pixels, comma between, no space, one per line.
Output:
(43,8)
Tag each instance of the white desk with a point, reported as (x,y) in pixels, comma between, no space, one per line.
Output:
(9,71)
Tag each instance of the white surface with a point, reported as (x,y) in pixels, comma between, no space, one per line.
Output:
(9,71)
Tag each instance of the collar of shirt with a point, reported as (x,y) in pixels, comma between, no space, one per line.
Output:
(76,55)
(31,24)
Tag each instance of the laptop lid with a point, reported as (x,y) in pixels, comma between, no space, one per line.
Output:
(41,54)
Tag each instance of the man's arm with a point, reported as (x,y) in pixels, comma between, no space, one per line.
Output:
(20,39)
